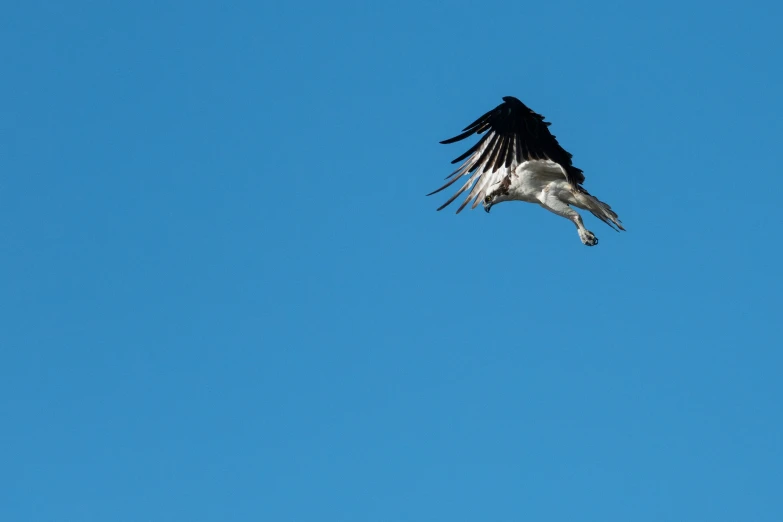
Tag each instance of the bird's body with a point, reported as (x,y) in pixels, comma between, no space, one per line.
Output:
(519,159)
(530,178)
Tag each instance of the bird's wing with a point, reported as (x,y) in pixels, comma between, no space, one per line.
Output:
(516,134)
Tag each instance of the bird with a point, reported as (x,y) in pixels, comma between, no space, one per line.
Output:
(519,159)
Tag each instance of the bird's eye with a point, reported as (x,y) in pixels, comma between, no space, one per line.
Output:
(488,199)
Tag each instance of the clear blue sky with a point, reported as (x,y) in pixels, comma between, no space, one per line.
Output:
(224,296)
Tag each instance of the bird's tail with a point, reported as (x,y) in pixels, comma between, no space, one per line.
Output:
(599,209)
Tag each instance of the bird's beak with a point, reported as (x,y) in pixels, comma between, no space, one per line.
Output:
(487,207)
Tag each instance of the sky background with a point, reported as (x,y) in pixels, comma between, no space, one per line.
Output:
(224,295)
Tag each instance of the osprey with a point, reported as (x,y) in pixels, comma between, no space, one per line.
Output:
(519,159)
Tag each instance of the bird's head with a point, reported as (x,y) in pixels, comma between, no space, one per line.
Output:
(489,200)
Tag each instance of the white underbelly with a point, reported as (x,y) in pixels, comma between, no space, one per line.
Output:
(531,178)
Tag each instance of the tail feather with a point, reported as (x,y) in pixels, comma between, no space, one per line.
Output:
(599,209)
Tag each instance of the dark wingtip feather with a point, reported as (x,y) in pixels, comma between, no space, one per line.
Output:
(450,183)
(457,137)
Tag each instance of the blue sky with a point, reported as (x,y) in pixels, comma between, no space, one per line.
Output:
(225,296)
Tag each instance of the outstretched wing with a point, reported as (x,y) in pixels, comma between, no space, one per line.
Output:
(516,134)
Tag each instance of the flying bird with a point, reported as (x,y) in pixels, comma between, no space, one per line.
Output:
(519,159)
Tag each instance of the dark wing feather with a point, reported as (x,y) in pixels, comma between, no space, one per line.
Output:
(516,134)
